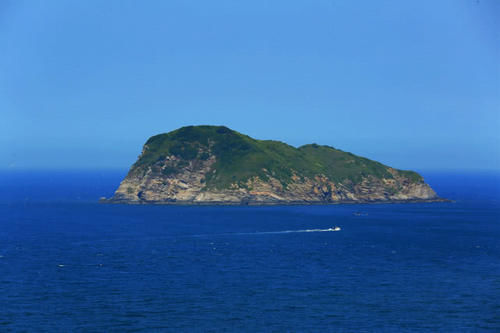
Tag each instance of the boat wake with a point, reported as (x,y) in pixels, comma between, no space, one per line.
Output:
(335,228)
(288,231)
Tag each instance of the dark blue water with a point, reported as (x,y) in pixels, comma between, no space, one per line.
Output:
(68,264)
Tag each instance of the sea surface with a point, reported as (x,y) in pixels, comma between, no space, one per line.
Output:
(69,264)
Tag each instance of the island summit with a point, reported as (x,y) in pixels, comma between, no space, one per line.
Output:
(216,165)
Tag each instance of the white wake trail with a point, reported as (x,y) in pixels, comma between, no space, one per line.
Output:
(288,231)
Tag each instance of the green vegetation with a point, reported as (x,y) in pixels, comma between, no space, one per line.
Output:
(239,157)
(412,175)
(167,171)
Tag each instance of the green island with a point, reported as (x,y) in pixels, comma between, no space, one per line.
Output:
(217,165)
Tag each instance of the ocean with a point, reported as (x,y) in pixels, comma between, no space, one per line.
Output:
(70,264)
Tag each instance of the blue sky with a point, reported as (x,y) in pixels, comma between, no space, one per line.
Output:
(413,84)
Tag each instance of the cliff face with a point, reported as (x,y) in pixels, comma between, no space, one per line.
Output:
(214,165)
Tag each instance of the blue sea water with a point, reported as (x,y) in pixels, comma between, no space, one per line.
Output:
(69,264)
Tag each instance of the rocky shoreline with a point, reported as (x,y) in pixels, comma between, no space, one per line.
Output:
(114,201)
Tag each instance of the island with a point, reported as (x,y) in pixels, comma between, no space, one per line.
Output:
(215,165)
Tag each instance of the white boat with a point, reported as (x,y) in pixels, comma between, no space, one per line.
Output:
(335,228)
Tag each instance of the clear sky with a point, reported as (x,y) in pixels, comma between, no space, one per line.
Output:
(413,84)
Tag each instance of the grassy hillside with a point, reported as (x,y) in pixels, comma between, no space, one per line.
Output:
(239,157)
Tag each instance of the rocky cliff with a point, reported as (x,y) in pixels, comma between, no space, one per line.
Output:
(216,165)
